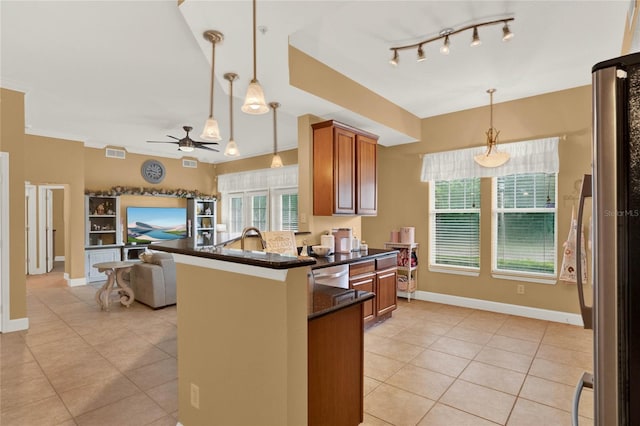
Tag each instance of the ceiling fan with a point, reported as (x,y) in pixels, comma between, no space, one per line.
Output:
(187,144)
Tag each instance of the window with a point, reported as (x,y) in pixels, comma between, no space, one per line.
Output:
(454,208)
(524,224)
(285,209)
(266,199)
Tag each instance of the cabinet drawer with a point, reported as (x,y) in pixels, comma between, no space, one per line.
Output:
(386,262)
(361,268)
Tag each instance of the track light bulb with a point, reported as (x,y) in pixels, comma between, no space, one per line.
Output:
(506,33)
(421,56)
(444,49)
(475,40)
(394,61)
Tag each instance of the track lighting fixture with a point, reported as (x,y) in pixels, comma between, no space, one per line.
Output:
(444,49)
(394,60)
(421,56)
(491,157)
(475,40)
(254,102)
(276,161)
(447,33)
(211,130)
(231,149)
(506,32)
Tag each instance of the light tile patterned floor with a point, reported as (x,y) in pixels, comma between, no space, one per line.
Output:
(430,364)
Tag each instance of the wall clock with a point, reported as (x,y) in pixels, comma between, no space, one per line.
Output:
(153,171)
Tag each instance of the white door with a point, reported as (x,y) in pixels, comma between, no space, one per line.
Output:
(49,255)
(31,230)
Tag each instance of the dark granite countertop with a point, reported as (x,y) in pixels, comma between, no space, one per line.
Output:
(345,258)
(325,300)
(266,260)
(245,257)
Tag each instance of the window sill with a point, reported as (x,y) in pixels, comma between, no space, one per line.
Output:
(456,271)
(538,279)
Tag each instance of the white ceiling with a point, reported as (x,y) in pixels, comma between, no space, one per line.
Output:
(123,72)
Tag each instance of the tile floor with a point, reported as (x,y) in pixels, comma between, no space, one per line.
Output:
(430,364)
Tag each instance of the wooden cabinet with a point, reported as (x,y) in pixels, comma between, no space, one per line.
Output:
(377,276)
(335,368)
(201,217)
(344,170)
(362,276)
(98,255)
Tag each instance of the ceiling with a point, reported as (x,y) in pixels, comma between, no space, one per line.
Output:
(120,73)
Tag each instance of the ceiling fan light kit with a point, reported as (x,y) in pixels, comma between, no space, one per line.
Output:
(211,130)
(492,157)
(254,101)
(446,33)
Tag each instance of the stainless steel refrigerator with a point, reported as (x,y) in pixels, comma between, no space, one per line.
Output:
(615,188)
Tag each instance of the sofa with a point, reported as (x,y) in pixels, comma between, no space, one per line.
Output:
(154,280)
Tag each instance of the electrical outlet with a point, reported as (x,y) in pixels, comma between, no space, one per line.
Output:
(520,289)
(195,396)
(303,218)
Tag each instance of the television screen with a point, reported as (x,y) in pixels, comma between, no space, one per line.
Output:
(147,225)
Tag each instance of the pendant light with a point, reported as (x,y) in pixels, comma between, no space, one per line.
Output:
(492,157)
(276,161)
(211,130)
(254,102)
(232,148)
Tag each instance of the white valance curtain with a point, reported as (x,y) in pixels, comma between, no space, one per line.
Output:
(534,156)
(281,177)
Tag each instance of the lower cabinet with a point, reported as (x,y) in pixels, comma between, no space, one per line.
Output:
(93,256)
(378,276)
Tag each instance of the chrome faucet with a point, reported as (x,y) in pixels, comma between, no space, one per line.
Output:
(257,231)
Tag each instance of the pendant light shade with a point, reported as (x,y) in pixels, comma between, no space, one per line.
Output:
(231,150)
(254,102)
(211,130)
(276,161)
(492,157)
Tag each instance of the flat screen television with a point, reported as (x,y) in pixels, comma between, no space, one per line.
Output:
(146,225)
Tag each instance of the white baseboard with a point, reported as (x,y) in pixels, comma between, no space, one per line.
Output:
(503,308)
(16,325)
(75,282)
(58,259)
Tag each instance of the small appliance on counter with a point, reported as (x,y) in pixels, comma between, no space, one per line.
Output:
(343,240)
(328,241)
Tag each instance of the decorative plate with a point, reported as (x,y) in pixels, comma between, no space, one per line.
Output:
(153,171)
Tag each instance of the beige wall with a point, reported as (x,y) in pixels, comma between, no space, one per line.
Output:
(403,199)
(12,141)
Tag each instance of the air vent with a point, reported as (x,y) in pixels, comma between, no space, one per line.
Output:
(192,164)
(116,153)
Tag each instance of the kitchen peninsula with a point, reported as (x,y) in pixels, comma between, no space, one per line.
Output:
(245,322)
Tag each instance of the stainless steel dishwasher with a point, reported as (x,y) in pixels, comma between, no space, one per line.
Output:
(334,276)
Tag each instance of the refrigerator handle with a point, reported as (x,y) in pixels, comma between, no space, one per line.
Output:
(585,311)
(586,381)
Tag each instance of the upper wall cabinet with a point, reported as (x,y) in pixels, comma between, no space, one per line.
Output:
(344,170)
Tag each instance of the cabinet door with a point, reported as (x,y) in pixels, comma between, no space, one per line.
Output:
(365,282)
(344,171)
(366,177)
(98,256)
(386,294)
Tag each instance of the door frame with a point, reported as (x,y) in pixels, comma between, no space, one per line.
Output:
(4,241)
(45,226)
(30,230)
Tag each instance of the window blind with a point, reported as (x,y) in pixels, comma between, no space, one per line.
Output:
(455,223)
(525,223)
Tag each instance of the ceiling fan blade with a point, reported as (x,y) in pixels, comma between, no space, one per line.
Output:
(161,142)
(173,137)
(206,147)
(205,143)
